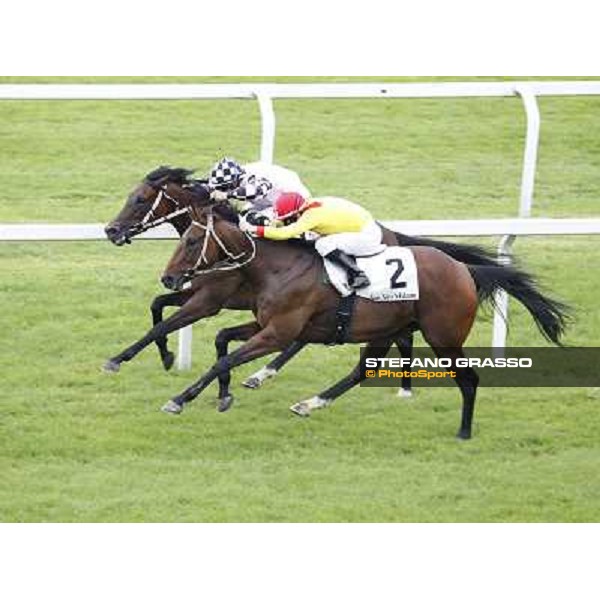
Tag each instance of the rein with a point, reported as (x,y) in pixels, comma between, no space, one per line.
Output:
(232,261)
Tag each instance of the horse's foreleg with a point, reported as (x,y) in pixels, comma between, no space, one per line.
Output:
(255,381)
(189,313)
(241,333)
(158,305)
(263,343)
(405,347)
(376,349)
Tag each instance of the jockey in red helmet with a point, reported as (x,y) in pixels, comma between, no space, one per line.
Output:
(345,229)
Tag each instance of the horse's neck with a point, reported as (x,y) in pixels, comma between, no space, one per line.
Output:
(184,198)
(181,223)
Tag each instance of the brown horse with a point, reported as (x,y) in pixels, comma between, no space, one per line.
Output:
(293,301)
(165,196)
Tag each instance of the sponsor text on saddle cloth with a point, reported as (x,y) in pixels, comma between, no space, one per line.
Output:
(392,273)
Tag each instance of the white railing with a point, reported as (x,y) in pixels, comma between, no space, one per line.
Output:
(23,232)
(528,91)
(30,232)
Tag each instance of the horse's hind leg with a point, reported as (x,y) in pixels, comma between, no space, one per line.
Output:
(405,347)
(446,330)
(257,379)
(376,349)
(467,379)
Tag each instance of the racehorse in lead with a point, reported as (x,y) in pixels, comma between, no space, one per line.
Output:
(293,301)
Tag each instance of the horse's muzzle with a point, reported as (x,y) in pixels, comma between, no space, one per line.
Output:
(171,282)
(116,235)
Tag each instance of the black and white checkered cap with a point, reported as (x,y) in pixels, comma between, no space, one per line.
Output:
(254,188)
(226,173)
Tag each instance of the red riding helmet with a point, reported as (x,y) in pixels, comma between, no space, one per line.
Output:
(288,205)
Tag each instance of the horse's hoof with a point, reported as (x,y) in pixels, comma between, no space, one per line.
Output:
(301,409)
(168,360)
(252,383)
(405,393)
(255,381)
(172,408)
(225,403)
(111,366)
(463,435)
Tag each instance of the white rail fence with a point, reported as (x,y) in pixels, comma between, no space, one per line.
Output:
(264,94)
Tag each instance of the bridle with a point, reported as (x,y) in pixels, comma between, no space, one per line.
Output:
(232,262)
(150,219)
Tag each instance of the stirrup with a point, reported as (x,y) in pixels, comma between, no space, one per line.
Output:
(358,281)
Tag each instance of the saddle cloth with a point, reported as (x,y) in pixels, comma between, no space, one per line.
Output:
(392,273)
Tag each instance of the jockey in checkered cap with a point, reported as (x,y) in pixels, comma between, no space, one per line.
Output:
(344,229)
(252,189)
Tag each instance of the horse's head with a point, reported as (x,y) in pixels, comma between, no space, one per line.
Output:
(213,242)
(163,195)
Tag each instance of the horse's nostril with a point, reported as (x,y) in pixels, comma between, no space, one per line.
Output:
(111,230)
(168,281)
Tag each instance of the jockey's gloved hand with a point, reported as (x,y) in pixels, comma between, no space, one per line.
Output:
(248,227)
(255,218)
(219,195)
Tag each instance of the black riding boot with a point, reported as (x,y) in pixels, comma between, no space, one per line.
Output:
(357,278)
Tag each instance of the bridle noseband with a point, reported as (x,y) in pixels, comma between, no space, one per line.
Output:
(150,219)
(232,261)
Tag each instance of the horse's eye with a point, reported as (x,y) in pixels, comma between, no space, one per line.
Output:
(192,242)
(140,200)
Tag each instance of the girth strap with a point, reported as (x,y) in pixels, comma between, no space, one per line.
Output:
(343,318)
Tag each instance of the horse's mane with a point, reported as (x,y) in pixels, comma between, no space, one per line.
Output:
(226,212)
(169,174)
(201,200)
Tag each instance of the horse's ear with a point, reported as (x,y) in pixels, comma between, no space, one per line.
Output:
(200,194)
(160,172)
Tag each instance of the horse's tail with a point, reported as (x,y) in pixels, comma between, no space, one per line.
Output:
(551,316)
(466,253)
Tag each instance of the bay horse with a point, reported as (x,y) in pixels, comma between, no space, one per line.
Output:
(165,195)
(293,301)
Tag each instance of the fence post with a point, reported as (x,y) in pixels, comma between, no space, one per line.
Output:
(532,141)
(184,346)
(501,300)
(268,124)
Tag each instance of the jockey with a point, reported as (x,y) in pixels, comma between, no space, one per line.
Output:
(253,188)
(344,230)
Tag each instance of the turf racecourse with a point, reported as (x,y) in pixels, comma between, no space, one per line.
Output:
(78,445)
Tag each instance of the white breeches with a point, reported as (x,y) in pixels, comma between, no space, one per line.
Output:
(359,243)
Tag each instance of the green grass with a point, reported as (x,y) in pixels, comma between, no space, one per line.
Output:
(78,445)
